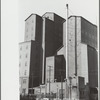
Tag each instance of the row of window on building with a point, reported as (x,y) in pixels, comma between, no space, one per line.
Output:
(25,64)
(25,56)
(21,47)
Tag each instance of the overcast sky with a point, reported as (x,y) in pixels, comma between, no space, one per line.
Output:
(85,8)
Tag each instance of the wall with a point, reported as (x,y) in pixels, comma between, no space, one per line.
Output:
(33,28)
(24,64)
(89,33)
(92,67)
(35,65)
(50,62)
(60,68)
(71,46)
(84,62)
(49,38)
(30,29)
(59,29)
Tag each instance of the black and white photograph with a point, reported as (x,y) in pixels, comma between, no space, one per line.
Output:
(50,50)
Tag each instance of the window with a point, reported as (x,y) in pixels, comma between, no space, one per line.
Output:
(26,55)
(24,91)
(32,28)
(25,72)
(20,48)
(27,30)
(26,36)
(25,63)
(32,34)
(19,64)
(32,21)
(47,17)
(20,56)
(27,47)
(24,81)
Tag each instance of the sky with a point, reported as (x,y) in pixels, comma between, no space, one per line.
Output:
(13,14)
(85,8)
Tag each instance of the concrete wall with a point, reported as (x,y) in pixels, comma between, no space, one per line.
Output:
(84,62)
(49,15)
(71,47)
(54,88)
(57,69)
(50,61)
(86,34)
(24,65)
(30,28)
(33,28)
(30,65)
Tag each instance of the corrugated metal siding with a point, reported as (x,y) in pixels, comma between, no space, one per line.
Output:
(89,33)
(35,65)
(60,68)
(92,67)
(49,38)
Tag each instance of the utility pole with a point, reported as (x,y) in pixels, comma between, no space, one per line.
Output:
(57,93)
(32,83)
(61,88)
(49,81)
(40,90)
(56,86)
(61,71)
(65,88)
(21,84)
(70,84)
(45,88)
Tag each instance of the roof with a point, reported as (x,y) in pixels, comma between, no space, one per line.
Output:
(60,48)
(31,15)
(48,19)
(26,41)
(82,18)
(54,14)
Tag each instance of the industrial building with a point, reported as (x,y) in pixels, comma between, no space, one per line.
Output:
(53,36)
(44,37)
(42,64)
(82,54)
(55,68)
(31,54)
(33,28)
(58,30)
(30,65)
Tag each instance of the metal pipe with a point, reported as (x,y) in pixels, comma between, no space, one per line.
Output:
(67,34)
